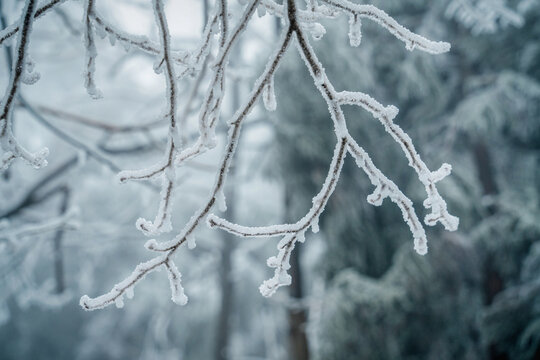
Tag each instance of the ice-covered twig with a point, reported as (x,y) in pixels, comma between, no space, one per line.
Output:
(20,72)
(116,295)
(296,22)
(172,246)
(428,178)
(312,216)
(211,107)
(104,28)
(165,168)
(314,14)
(65,221)
(383,186)
(11,30)
(91,52)
(292,232)
(412,41)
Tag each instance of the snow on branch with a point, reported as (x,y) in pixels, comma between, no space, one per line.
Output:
(11,30)
(383,186)
(22,71)
(428,178)
(91,52)
(186,235)
(412,41)
(212,53)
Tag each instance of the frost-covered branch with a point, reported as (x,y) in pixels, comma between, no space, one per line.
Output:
(383,186)
(165,168)
(11,30)
(91,52)
(211,58)
(186,235)
(412,41)
(22,71)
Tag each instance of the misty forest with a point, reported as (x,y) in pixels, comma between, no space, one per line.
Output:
(270,179)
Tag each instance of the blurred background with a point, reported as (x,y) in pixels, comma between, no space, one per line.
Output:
(359,290)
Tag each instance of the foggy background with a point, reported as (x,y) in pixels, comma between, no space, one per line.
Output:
(359,290)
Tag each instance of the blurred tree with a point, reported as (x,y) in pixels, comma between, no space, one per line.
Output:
(477,105)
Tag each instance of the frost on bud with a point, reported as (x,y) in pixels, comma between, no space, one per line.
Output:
(420,245)
(37,160)
(151,244)
(391,112)
(315,225)
(94,92)
(377,197)
(272,262)
(191,243)
(220,200)
(441,173)
(146,227)
(355,30)
(119,302)
(270,286)
(129,293)
(30,78)
(177,291)
(316,30)
(158,65)
(301,236)
(269,96)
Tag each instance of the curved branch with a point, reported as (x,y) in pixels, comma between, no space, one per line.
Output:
(126,286)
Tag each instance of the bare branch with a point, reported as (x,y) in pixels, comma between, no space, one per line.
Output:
(11,30)
(20,73)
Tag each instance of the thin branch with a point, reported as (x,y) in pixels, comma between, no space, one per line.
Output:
(170,248)
(10,31)
(91,52)
(20,73)
(383,186)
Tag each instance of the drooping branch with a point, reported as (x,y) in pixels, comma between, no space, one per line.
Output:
(165,168)
(298,22)
(186,235)
(383,186)
(412,41)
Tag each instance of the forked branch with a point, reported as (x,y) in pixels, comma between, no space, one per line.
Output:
(214,56)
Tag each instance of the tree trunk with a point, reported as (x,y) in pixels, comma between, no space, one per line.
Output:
(298,343)
(225,269)
(57,244)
